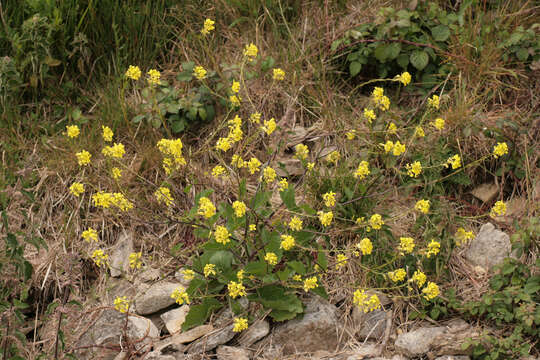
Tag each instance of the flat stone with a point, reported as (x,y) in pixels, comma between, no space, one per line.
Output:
(418,342)
(119,261)
(486,192)
(316,330)
(154,297)
(192,334)
(212,340)
(149,275)
(254,333)
(453,357)
(489,248)
(174,319)
(371,325)
(232,353)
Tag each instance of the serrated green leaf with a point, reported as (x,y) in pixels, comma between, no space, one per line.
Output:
(298,267)
(198,314)
(419,59)
(440,32)
(222,259)
(288,198)
(403,60)
(522,54)
(257,268)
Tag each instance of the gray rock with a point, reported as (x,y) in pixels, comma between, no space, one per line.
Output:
(181,278)
(120,255)
(149,275)
(192,334)
(371,325)
(486,192)
(107,330)
(453,357)
(212,340)
(317,330)
(155,297)
(489,248)
(174,319)
(254,333)
(418,342)
(232,353)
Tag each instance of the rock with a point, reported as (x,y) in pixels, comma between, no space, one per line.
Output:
(254,333)
(486,192)
(418,342)
(174,319)
(489,248)
(367,351)
(290,167)
(371,325)
(149,275)
(317,330)
(232,353)
(181,278)
(212,340)
(120,255)
(192,334)
(453,357)
(118,287)
(154,297)
(107,330)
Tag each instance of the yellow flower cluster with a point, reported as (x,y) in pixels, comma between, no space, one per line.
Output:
(207,26)
(269,175)
(404,78)
(310,283)
(240,324)
(376,221)
(278,74)
(217,171)
(499,209)
(172,154)
(90,235)
(115,151)
(180,295)
(397,275)
(83,157)
(365,302)
(163,195)
(107,133)
(329,199)
(463,236)
(287,242)
(235,134)
(325,217)
(235,87)
(72,131)
(414,169)
(333,157)
(302,151)
(419,278)
(422,206)
(380,100)
(500,149)
(199,72)
(236,289)
(209,270)
(251,51)
(295,223)
(365,246)
(255,117)
(116,173)
(121,304)
(253,165)
(133,72)
(341,261)
(419,132)
(434,102)
(153,77)
(239,208)
(434,247)
(269,126)
(106,200)
(235,100)
(392,128)
(100,258)
(283,184)
(406,244)
(454,161)
(206,208)
(397,148)
(188,274)
(222,235)
(76,188)
(439,124)
(431,291)
(369,115)
(362,171)
(135,261)
(271,258)
(351,134)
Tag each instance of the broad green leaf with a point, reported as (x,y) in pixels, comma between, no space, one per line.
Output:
(403,60)
(354,68)
(298,267)
(522,54)
(440,32)
(419,59)
(322,260)
(382,52)
(222,259)
(287,196)
(257,268)
(198,314)
(178,126)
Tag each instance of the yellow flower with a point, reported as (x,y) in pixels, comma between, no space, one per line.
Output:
(434,247)
(251,51)
(419,132)
(388,146)
(365,246)
(253,165)
(500,149)
(133,72)
(297,277)
(180,295)
(255,117)
(329,199)
(163,195)
(341,261)
(209,269)
(222,235)
(240,324)
(206,208)
(172,154)
(135,260)
(310,283)
(301,151)
(287,242)
(398,149)
(100,258)
(369,115)
(271,258)
(217,171)
(76,189)
(283,184)
(439,124)
(240,275)
(498,209)
(207,26)
(431,291)
(434,102)
(252,227)
(278,74)
(382,101)
(199,72)
(107,133)
(454,161)
(83,157)
(333,157)
(90,235)
(360,220)
(406,244)
(116,173)
(362,171)
(295,223)
(115,151)
(121,304)
(404,78)
(223,144)
(397,275)
(325,217)
(310,166)
(376,221)
(239,208)
(422,206)
(365,302)
(237,161)
(236,289)
(235,87)
(153,77)
(269,126)
(462,236)
(351,134)
(419,277)
(188,274)
(392,128)
(106,200)
(72,131)
(269,175)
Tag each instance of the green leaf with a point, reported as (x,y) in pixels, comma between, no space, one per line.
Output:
(298,267)
(522,54)
(382,52)
(321,291)
(274,297)
(440,33)
(188,66)
(137,119)
(419,59)
(198,314)
(222,259)
(354,68)
(287,196)
(322,260)
(282,315)
(403,60)
(257,268)
(178,126)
